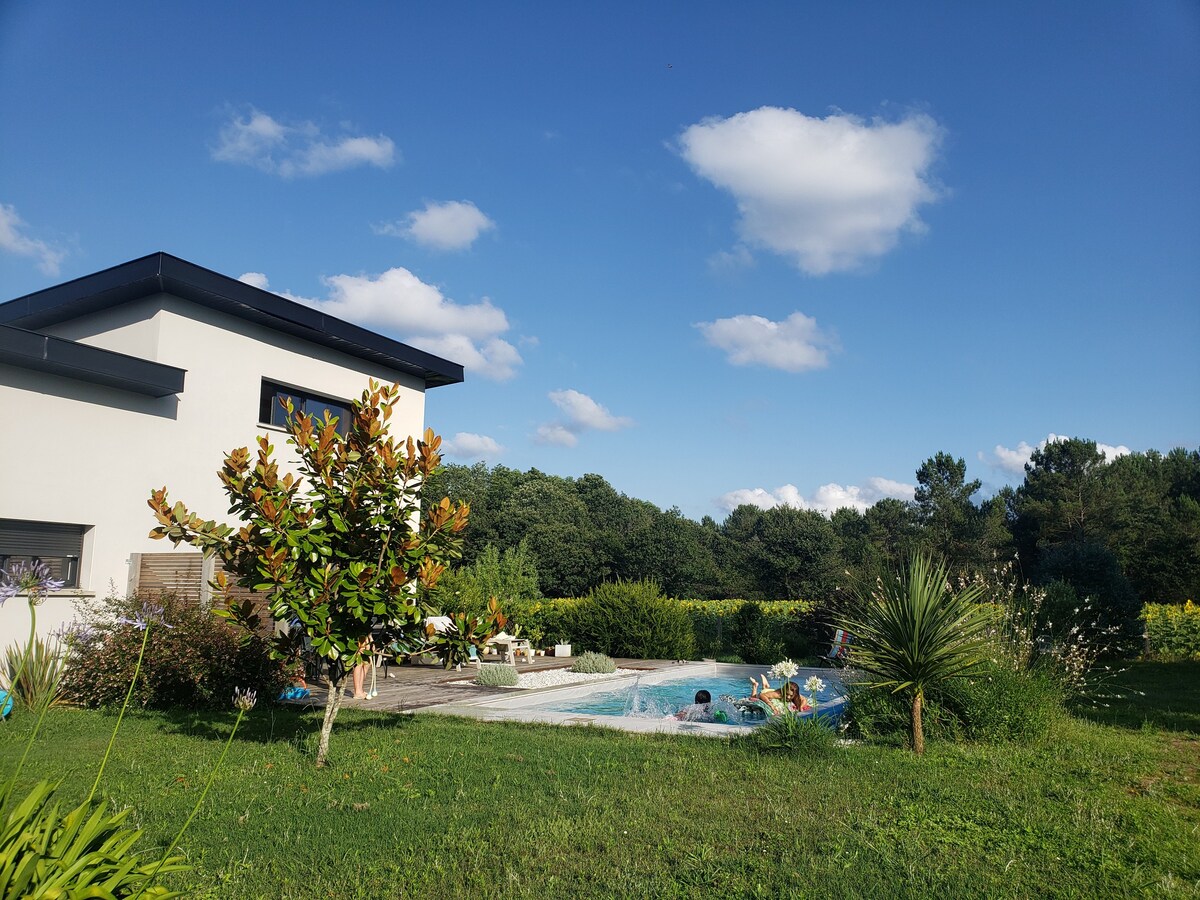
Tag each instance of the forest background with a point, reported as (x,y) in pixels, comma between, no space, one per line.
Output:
(1116,533)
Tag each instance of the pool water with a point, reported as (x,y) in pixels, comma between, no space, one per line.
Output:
(665,698)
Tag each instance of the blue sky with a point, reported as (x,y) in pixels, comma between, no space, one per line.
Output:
(712,252)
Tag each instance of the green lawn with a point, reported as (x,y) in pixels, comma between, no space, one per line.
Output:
(1108,806)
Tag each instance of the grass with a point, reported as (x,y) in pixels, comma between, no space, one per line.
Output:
(1107,806)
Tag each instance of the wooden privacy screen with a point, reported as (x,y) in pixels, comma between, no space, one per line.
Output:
(187,576)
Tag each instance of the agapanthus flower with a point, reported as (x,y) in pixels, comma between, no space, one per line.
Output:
(244,699)
(74,633)
(785,669)
(32,579)
(814,685)
(148,615)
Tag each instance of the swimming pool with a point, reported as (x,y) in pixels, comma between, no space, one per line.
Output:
(643,702)
(656,700)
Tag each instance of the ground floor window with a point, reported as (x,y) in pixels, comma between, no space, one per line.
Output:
(57,545)
(271,411)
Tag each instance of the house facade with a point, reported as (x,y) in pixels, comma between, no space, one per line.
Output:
(143,376)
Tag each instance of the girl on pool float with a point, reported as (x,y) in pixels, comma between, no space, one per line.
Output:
(772,702)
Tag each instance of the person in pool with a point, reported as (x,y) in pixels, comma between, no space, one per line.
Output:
(701,710)
(791,700)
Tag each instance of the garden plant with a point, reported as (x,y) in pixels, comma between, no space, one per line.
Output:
(912,631)
(337,549)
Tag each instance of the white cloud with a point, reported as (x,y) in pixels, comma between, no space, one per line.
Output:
(737,257)
(1110,452)
(466,445)
(582,413)
(14,240)
(556,434)
(1009,460)
(1013,461)
(293,151)
(452,225)
(827,499)
(256,279)
(796,344)
(400,303)
(829,193)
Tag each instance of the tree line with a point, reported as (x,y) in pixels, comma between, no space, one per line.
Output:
(1122,531)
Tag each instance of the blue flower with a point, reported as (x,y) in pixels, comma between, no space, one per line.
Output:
(148,615)
(75,633)
(34,580)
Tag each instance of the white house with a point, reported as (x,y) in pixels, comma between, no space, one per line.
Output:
(145,375)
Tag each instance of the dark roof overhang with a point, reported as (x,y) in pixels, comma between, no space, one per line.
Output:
(58,356)
(164,273)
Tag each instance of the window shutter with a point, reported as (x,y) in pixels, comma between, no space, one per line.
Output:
(50,539)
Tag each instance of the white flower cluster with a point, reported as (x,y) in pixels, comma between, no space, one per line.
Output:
(814,685)
(785,669)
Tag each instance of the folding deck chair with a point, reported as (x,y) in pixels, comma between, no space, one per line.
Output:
(839,651)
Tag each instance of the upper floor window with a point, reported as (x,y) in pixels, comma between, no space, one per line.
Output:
(272,412)
(58,546)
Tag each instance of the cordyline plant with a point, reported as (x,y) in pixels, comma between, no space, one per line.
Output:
(912,631)
(337,550)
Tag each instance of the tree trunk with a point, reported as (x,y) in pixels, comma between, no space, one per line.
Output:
(918,734)
(333,702)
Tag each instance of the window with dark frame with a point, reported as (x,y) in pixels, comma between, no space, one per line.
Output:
(58,546)
(272,412)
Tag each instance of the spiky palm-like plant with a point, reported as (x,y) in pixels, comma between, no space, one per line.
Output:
(912,631)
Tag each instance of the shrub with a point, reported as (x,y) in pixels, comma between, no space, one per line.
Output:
(1172,631)
(547,621)
(725,628)
(995,703)
(592,663)
(752,638)
(633,619)
(1093,571)
(194,661)
(497,675)
(790,733)
(40,676)
(511,577)
(874,714)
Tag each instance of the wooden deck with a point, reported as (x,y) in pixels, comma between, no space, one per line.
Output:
(409,688)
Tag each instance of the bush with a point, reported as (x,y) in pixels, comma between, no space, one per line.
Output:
(1094,572)
(995,703)
(497,675)
(1172,631)
(878,714)
(592,663)
(790,733)
(548,621)
(511,577)
(756,631)
(194,660)
(633,619)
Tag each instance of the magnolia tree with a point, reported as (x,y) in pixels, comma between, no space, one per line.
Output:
(340,548)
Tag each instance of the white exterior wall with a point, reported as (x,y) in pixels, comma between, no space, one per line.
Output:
(80,453)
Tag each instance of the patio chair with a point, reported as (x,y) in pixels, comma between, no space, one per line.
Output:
(839,651)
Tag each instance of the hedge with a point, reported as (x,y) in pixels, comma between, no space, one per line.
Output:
(754,632)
